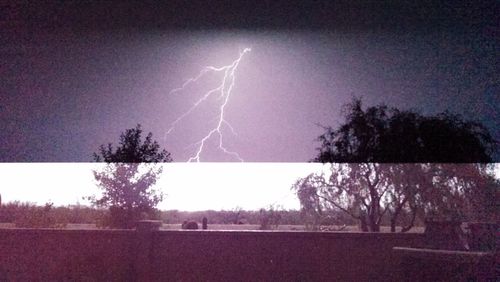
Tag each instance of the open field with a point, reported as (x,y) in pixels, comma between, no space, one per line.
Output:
(352,228)
(230,227)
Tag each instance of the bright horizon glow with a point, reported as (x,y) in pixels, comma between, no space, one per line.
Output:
(187,186)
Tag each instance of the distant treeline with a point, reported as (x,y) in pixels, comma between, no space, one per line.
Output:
(29,215)
(23,214)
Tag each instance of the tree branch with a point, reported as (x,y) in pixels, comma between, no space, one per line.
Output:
(339,207)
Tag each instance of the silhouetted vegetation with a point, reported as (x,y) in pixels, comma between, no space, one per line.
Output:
(193,225)
(132,149)
(384,166)
(387,135)
(127,182)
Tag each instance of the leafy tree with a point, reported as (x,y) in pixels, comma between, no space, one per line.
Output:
(485,203)
(131,149)
(372,192)
(384,165)
(126,182)
(461,191)
(388,135)
(356,189)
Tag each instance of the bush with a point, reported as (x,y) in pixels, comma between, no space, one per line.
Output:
(270,218)
(31,216)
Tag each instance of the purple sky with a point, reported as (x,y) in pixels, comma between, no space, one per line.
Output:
(64,91)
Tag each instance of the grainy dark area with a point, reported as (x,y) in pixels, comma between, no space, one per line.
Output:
(193,255)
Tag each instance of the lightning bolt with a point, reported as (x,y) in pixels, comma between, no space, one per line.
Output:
(224,90)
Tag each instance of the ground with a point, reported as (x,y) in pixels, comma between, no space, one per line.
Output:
(353,228)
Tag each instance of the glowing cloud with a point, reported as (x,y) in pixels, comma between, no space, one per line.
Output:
(224,89)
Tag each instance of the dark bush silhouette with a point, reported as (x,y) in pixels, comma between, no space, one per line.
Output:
(189,225)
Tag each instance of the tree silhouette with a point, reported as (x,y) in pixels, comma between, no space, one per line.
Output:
(387,163)
(388,135)
(127,180)
(131,149)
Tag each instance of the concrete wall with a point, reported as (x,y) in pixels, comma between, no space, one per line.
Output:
(144,254)
(62,255)
(289,256)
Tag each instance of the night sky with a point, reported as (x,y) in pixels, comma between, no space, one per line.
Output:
(76,75)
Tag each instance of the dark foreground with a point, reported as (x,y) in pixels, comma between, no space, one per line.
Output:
(148,254)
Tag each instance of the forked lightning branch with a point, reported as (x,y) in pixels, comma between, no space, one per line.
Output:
(224,91)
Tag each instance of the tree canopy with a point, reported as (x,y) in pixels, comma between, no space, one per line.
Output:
(398,193)
(132,149)
(387,135)
(392,165)
(128,179)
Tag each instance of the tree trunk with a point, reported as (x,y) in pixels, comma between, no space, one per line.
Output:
(364,225)
(374,227)
(393,224)
(412,222)
(372,217)
(396,214)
